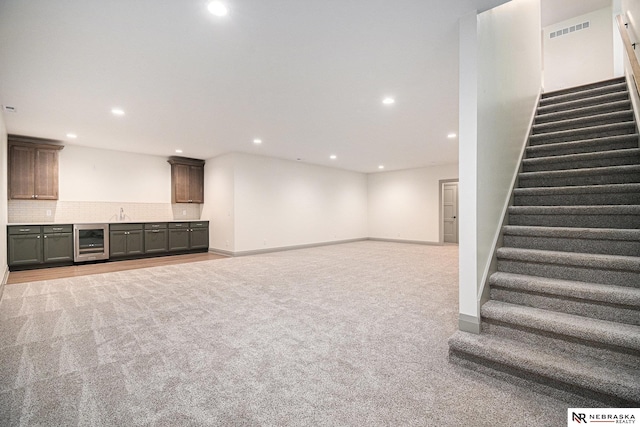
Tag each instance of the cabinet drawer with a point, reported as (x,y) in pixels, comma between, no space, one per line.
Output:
(178,225)
(66,228)
(155,225)
(199,224)
(125,227)
(24,229)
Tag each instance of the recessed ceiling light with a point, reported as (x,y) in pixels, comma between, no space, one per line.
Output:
(388,101)
(217,8)
(381,167)
(178,151)
(451,135)
(257,141)
(117,111)
(333,157)
(72,135)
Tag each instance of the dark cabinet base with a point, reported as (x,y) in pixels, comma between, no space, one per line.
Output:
(32,247)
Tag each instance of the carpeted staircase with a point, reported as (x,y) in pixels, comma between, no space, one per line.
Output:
(564,310)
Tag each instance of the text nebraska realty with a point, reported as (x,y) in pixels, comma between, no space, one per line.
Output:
(604,418)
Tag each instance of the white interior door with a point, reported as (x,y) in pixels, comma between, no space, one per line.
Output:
(450,211)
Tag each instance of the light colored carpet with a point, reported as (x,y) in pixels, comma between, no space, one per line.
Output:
(345,335)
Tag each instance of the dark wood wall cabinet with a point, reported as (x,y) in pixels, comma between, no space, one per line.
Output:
(40,245)
(33,168)
(187,180)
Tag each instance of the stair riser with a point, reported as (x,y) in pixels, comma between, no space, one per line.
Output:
(534,380)
(612,313)
(550,99)
(570,179)
(581,134)
(583,221)
(562,125)
(573,114)
(589,246)
(568,272)
(582,164)
(586,102)
(579,148)
(578,348)
(579,199)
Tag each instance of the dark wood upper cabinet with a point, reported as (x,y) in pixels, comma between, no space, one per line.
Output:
(33,168)
(187,180)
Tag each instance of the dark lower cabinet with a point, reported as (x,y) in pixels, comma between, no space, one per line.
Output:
(35,245)
(57,243)
(199,235)
(126,240)
(185,236)
(156,239)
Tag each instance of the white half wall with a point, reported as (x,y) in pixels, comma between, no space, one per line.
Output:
(508,79)
(3,202)
(96,175)
(219,202)
(405,205)
(282,203)
(579,57)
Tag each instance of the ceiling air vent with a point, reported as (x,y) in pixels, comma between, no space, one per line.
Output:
(569,30)
(9,109)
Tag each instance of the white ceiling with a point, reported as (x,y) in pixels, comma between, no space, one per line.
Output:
(307,77)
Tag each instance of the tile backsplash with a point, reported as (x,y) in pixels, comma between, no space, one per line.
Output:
(55,211)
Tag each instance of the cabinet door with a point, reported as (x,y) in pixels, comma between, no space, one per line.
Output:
(196,184)
(179,239)
(46,174)
(155,241)
(117,243)
(21,172)
(58,247)
(199,238)
(180,183)
(25,249)
(135,243)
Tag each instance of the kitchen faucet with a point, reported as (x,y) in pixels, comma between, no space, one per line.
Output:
(122,215)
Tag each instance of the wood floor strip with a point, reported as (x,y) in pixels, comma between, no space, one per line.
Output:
(105,267)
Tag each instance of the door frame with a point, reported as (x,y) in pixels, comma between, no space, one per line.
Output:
(441,206)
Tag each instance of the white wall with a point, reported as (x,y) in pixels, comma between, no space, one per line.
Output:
(508,78)
(281,203)
(219,202)
(630,10)
(96,175)
(405,205)
(581,57)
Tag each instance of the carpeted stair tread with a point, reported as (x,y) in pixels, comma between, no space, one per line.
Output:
(584,176)
(574,233)
(583,260)
(584,328)
(631,154)
(578,189)
(594,376)
(583,122)
(610,294)
(556,98)
(584,111)
(585,102)
(588,132)
(584,146)
(584,87)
